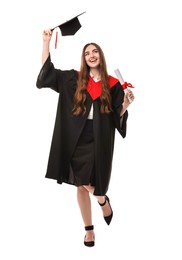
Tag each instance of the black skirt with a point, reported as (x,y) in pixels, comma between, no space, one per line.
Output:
(82,162)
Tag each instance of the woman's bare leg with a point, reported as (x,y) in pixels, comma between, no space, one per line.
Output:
(84,203)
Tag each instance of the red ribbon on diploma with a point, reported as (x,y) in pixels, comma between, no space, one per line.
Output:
(126,85)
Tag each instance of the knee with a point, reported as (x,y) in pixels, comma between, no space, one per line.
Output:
(89,188)
(82,189)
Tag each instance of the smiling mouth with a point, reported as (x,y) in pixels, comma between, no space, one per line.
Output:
(92,61)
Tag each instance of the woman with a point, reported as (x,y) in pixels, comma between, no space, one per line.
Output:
(91,106)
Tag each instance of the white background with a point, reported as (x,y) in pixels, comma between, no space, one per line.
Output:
(39,218)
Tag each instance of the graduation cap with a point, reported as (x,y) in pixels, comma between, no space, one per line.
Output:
(69,27)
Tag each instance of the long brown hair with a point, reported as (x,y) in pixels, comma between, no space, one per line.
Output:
(80,94)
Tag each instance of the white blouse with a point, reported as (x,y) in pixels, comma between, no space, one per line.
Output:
(91,113)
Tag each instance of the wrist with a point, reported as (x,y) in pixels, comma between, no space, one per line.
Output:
(126,104)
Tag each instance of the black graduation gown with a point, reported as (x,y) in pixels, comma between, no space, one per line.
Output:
(68,128)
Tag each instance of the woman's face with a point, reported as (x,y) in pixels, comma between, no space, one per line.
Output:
(92,56)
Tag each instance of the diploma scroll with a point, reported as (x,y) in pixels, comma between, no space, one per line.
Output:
(121,80)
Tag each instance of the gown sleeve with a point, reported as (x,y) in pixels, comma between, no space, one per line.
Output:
(120,122)
(50,77)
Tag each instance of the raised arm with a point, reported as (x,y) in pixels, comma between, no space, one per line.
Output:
(47,35)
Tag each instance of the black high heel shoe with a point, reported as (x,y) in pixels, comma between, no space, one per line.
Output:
(107,218)
(89,243)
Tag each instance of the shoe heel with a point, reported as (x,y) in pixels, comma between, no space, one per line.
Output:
(89,243)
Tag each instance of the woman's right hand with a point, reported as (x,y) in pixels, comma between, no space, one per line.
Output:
(47,35)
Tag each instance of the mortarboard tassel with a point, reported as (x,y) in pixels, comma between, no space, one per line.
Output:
(56,40)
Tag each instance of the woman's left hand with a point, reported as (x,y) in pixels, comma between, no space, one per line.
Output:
(129,97)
